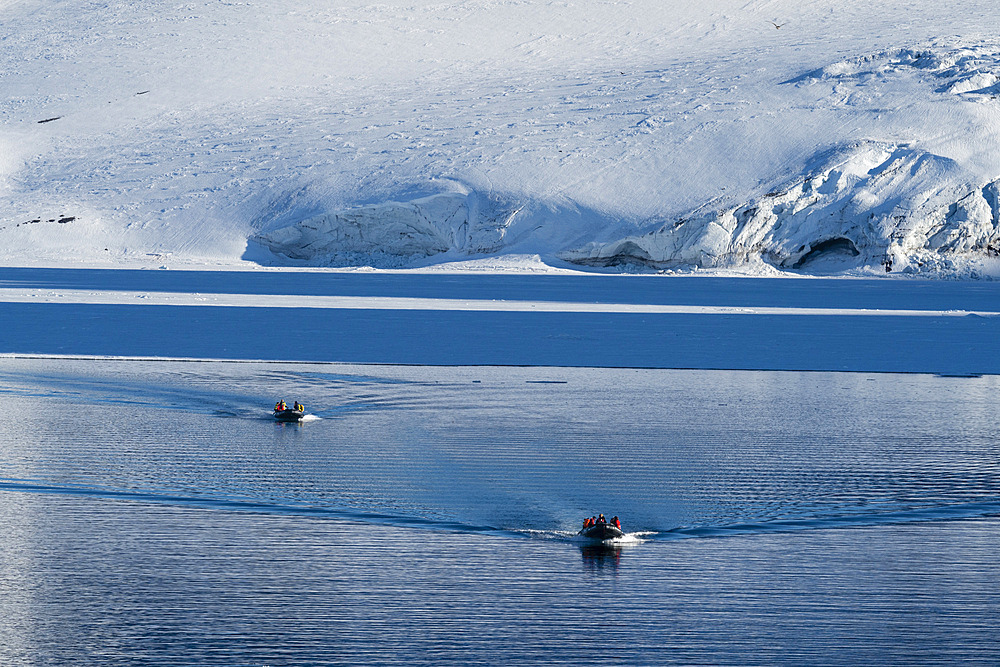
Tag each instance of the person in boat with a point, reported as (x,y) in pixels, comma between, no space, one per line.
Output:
(280,406)
(299,407)
(616,523)
(601,519)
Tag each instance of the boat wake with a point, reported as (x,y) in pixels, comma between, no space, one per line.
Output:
(626,540)
(952,512)
(237,504)
(282,507)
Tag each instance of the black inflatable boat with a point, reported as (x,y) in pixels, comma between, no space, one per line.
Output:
(289,415)
(601,531)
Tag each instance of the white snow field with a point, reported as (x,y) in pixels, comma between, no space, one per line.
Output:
(827,136)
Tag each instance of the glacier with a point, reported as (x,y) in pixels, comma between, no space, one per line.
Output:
(626,137)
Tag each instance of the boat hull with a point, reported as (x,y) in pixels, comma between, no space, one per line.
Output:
(602,531)
(289,415)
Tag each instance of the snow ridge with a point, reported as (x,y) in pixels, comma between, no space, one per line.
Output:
(871,203)
(972,71)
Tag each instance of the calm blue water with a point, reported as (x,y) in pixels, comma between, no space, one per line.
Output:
(876,342)
(153,513)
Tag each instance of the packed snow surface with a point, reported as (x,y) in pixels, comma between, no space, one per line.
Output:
(756,135)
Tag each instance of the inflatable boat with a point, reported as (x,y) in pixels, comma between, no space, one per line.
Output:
(289,415)
(601,531)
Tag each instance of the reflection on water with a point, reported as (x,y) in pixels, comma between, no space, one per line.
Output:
(154,513)
(601,557)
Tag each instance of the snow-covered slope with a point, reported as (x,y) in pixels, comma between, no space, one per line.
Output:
(641,135)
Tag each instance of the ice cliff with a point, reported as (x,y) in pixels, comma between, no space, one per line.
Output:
(395,233)
(869,204)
